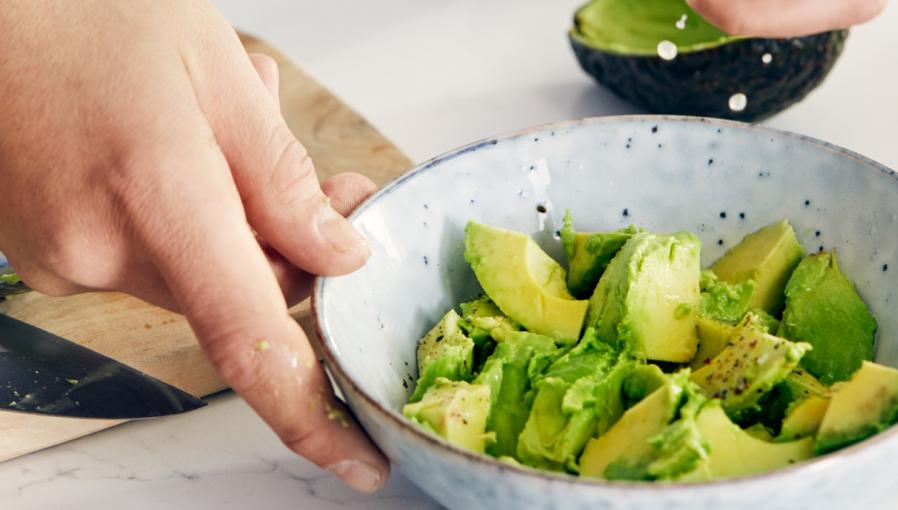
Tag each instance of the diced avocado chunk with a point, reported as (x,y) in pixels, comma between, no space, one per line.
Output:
(713,337)
(722,301)
(752,364)
(759,431)
(578,395)
(454,410)
(824,309)
(507,372)
(734,452)
(798,386)
(524,282)
(646,300)
(865,405)
(804,418)
(770,323)
(767,257)
(480,317)
(444,351)
(588,254)
(642,382)
(10,284)
(676,452)
(637,425)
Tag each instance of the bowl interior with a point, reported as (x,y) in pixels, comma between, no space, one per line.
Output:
(720,180)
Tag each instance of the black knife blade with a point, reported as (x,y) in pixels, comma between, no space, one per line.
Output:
(47,374)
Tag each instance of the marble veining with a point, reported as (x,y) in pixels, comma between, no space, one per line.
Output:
(221,457)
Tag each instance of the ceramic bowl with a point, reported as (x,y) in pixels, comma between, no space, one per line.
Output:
(718,179)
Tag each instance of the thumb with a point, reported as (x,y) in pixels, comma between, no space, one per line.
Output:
(273,172)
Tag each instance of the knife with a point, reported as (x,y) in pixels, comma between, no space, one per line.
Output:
(47,374)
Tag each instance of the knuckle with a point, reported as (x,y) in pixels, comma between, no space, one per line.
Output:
(131,188)
(46,282)
(232,360)
(292,177)
(310,442)
(261,60)
(63,257)
(240,373)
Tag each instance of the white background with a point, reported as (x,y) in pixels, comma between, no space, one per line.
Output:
(431,75)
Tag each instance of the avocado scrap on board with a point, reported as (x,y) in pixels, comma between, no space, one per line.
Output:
(666,372)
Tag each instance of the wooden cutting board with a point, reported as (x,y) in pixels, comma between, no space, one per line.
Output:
(159,342)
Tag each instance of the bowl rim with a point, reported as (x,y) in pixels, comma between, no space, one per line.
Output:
(333,364)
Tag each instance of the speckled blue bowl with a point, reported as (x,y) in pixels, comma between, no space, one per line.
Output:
(719,179)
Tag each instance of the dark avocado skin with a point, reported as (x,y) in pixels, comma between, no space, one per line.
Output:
(702,82)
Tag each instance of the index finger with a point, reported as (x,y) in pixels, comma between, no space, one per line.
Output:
(222,282)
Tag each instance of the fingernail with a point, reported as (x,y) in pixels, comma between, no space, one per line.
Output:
(338,232)
(357,474)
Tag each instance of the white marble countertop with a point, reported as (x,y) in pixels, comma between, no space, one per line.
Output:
(431,75)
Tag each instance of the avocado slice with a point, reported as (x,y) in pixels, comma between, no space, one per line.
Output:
(445,351)
(767,256)
(759,431)
(646,300)
(677,452)
(734,452)
(865,405)
(523,281)
(824,309)
(637,425)
(508,373)
(578,395)
(714,323)
(588,254)
(620,43)
(752,364)
(797,387)
(804,418)
(722,301)
(456,411)
(713,337)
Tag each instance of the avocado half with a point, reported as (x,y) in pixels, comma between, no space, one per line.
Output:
(620,43)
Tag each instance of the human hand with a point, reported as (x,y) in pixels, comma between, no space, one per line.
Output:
(785,18)
(141,152)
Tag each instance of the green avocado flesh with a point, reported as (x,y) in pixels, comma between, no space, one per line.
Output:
(664,58)
(667,373)
(824,309)
(588,254)
(645,301)
(635,27)
(524,282)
